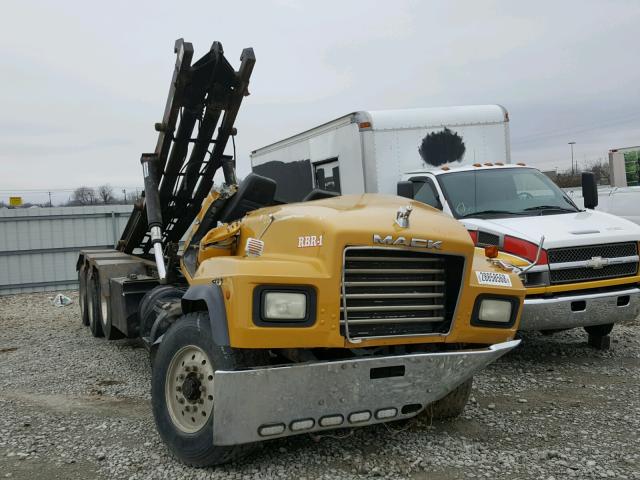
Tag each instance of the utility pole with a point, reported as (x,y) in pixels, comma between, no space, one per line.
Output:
(124,193)
(573,172)
(50,205)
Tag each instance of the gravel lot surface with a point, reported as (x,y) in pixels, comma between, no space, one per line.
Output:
(75,407)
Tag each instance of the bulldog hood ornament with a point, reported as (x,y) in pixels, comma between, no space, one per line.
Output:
(402,216)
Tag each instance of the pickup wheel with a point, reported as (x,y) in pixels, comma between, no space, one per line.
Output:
(93,304)
(599,330)
(451,405)
(182,391)
(82,296)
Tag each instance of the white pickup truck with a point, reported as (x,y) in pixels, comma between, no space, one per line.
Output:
(586,273)
(458,160)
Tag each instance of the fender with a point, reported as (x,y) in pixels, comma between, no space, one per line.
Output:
(209,296)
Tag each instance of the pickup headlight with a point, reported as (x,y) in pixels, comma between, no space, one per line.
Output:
(495,311)
(276,305)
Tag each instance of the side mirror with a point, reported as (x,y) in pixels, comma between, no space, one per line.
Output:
(405,189)
(589,190)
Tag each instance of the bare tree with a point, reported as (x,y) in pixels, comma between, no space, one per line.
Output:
(105,194)
(83,196)
(601,170)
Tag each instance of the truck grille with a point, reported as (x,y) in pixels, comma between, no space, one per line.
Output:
(585,273)
(393,292)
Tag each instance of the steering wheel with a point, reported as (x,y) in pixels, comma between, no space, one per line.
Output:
(525,196)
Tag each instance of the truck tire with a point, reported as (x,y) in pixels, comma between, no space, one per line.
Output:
(599,330)
(450,406)
(82,296)
(108,330)
(155,296)
(183,411)
(93,304)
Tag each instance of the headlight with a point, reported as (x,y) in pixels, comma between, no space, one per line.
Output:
(285,306)
(495,311)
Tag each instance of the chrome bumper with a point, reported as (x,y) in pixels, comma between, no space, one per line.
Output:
(264,403)
(581,310)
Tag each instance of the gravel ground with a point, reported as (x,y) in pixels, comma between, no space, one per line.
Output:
(75,407)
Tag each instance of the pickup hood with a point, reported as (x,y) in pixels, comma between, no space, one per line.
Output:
(562,230)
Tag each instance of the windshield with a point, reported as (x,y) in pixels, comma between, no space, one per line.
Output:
(503,192)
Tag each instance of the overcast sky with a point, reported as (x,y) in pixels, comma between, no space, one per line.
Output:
(82,83)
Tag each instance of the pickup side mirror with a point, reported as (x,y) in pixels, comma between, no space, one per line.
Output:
(589,190)
(405,189)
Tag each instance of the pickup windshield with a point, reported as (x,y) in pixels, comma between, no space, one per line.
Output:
(503,192)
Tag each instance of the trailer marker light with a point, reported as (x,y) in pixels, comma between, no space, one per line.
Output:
(299,425)
(474,236)
(477,164)
(363,125)
(386,413)
(358,417)
(521,164)
(331,421)
(489,164)
(500,164)
(269,430)
(445,168)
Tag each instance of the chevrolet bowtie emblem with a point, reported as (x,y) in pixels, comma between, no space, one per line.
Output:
(597,262)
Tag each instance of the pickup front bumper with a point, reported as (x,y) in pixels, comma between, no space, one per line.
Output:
(579,310)
(264,403)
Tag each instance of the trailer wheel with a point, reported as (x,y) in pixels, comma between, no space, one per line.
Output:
(182,391)
(450,406)
(82,296)
(599,330)
(93,304)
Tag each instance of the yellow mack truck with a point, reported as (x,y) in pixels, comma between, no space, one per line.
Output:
(266,319)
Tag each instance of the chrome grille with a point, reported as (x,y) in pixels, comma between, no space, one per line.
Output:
(389,292)
(619,260)
(586,252)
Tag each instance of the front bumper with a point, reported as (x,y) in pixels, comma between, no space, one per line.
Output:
(264,403)
(579,310)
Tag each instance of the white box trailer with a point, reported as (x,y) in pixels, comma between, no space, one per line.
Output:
(367,151)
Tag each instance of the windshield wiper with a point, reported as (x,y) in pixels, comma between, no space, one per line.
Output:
(490,212)
(550,207)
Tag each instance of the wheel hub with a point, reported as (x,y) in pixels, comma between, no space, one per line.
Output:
(189,389)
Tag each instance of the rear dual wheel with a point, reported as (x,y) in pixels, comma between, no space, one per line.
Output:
(99,309)
(82,296)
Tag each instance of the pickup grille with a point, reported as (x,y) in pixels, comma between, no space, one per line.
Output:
(393,292)
(583,273)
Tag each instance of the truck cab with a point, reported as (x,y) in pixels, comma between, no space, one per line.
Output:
(587,272)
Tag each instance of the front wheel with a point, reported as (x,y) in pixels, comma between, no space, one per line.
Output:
(450,406)
(182,392)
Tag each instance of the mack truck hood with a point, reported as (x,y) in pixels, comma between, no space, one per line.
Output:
(299,228)
(562,230)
